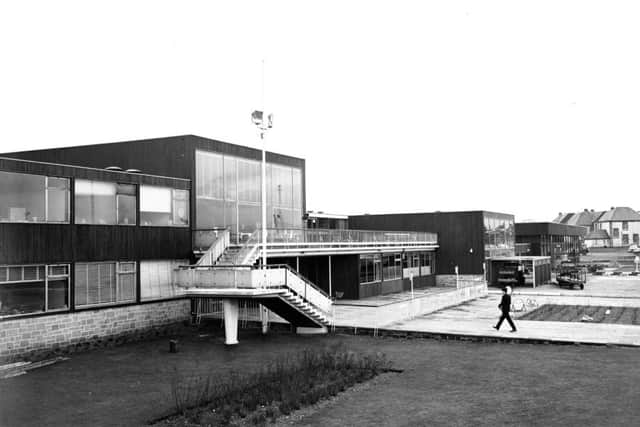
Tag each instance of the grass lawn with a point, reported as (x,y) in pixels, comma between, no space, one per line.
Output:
(573,313)
(443,383)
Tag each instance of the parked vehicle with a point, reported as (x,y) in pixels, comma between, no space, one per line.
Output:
(570,275)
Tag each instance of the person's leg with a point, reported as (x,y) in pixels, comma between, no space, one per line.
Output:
(499,322)
(513,327)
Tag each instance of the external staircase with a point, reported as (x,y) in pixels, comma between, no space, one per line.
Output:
(229,272)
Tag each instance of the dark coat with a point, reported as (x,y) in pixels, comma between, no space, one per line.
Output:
(505,303)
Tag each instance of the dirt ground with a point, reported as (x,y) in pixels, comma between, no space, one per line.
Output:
(443,383)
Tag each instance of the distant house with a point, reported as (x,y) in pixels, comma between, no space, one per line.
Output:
(597,239)
(622,225)
(586,218)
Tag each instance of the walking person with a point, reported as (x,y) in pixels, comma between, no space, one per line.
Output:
(505,306)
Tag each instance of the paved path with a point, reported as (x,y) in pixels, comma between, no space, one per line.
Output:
(476,318)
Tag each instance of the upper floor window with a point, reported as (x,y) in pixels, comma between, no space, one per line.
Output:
(164,206)
(108,203)
(33,198)
(616,233)
(625,225)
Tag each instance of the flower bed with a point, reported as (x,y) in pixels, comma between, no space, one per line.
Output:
(282,386)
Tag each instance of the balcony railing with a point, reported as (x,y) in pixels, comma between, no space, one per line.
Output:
(330,236)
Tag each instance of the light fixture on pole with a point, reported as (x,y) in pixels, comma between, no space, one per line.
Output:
(263,123)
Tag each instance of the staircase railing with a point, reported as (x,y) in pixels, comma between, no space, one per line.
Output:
(216,249)
(247,252)
(301,286)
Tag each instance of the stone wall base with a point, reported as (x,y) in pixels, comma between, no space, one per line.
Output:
(39,337)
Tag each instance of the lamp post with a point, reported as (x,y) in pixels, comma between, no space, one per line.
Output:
(263,123)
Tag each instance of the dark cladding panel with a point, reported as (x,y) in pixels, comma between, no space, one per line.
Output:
(460,235)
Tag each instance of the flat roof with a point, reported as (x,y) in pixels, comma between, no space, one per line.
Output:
(519,258)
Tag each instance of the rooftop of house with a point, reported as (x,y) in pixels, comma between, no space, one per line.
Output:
(622,213)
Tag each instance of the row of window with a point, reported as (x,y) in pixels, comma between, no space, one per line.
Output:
(29,289)
(36,198)
(377,267)
(228,194)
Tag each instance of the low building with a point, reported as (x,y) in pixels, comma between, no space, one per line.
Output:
(467,240)
(549,239)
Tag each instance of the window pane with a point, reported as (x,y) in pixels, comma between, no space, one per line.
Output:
(155,205)
(58,200)
(209,175)
(180,207)
(126,210)
(21,298)
(95,202)
(156,279)
(249,218)
(230,183)
(22,197)
(249,174)
(210,213)
(297,188)
(58,294)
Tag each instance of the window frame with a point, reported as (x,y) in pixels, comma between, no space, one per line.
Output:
(46,200)
(172,208)
(117,273)
(38,279)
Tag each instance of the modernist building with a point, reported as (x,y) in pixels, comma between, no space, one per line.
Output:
(467,240)
(91,238)
(557,241)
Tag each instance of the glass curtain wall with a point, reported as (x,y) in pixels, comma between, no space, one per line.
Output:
(499,236)
(228,194)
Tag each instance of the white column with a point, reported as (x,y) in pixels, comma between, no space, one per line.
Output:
(230,321)
(264,317)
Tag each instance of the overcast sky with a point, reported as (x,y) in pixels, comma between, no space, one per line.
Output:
(528,108)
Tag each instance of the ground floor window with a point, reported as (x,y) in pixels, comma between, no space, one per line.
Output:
(392,266)
(156,279)
(104,283)
(27,289)
(370,270)
(427,263)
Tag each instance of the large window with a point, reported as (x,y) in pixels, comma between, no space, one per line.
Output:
(104,283)
(392,266)
(33,198)
(228,194)
(625,239)
(499,235)
(27,289)
(164,206)
(156,279)
(370,268)
(106,203)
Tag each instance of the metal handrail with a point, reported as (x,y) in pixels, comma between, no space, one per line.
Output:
(215,250)
(288,267)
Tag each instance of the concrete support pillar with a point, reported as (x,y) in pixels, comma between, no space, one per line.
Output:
(230,321)
(264,318)
(330,293)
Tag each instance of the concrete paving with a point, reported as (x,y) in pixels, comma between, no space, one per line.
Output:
(476,318)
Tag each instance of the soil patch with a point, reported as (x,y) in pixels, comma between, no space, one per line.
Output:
(585,313)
